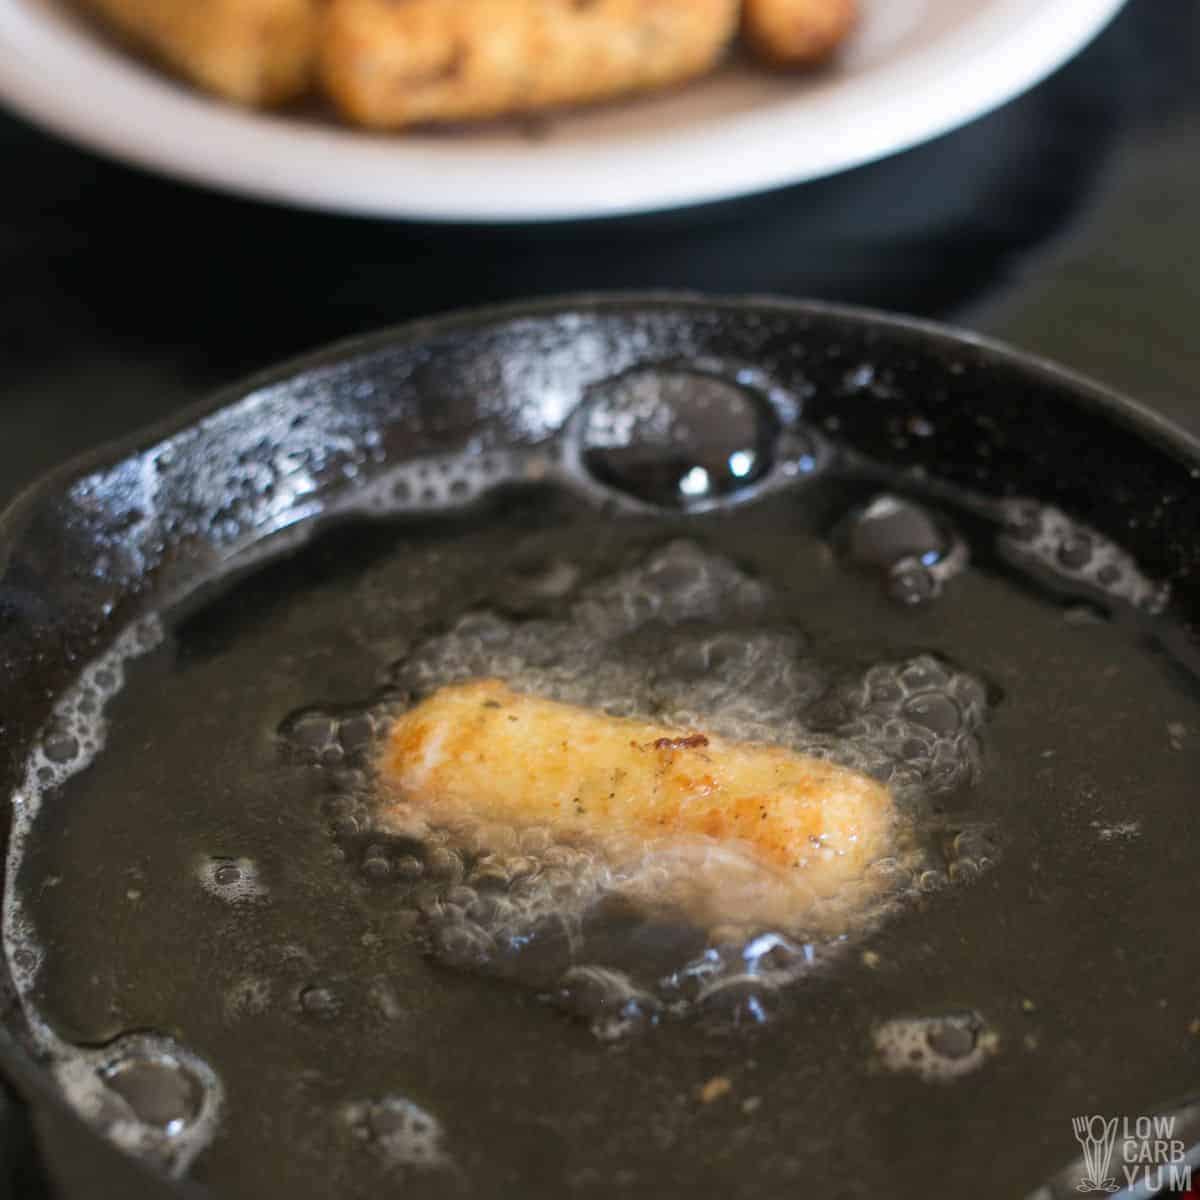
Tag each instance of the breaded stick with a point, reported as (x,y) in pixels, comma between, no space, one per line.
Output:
(388,64)
(482,751)
(797,33)
(251,51)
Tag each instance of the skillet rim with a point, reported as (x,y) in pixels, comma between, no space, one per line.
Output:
(1119,407)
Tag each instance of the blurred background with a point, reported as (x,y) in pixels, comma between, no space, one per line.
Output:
(1064,222)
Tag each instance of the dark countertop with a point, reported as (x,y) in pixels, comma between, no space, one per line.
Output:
(1063,222)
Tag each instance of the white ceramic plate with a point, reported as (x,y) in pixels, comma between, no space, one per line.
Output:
(915,69)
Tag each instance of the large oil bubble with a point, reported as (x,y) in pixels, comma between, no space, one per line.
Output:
(676,438)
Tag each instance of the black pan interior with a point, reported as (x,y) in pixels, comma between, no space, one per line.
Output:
(144,526)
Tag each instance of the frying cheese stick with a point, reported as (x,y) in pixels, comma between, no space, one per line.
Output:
(797,33)
(388,64)
(481,750)
(250,51)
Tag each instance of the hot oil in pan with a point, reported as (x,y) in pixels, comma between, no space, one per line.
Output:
(243,959)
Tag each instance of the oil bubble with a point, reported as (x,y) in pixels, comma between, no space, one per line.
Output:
(1075,551)
(376,868)
(914,552)
(890,528)
(676,438)
(970,851)
(937,1049)
(312,733)
(146,1093)
(399,1132)
(320,1002)
(356,732)
(609,1000)
(234,880)
(463,944)
(159,1090)
(61,748)
(408,867)
(910,583)
(935,711)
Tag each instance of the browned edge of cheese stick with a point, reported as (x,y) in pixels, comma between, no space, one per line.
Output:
(255,52)
(479,749)
(389,65)
(797,33)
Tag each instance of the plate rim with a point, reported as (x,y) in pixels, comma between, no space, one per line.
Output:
(115,104)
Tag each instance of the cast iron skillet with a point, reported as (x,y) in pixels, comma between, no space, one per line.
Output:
(149,520)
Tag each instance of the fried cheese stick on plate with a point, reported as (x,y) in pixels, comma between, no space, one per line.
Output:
(480,750)
(797,33)
(389,65)
(255,52)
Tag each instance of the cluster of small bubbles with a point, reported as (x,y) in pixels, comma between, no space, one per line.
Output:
(75,731)
(442,482)
(918,718)
(147,1093)
(1074,558)
(329,737)
(111,1084)
(915,553)
(970,851)
(505,908)
(25,953)
(398,1131)
(682,582)
(938,1049)
(582,660)
(1117,831)
(234,880)
(683,638)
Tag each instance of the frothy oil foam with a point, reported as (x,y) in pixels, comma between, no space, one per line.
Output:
(655,926)
(144,1091)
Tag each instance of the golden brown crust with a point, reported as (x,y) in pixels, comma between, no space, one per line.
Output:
(797,33)
(389,64)
(480,750)
(256,52)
